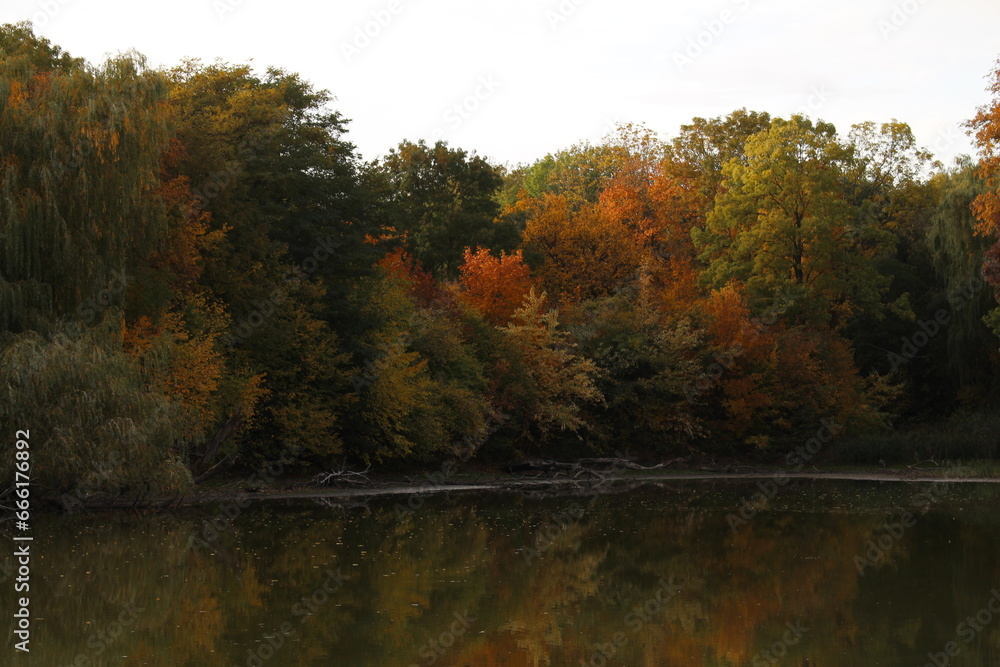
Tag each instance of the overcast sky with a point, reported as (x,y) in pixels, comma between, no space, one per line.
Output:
(516,79)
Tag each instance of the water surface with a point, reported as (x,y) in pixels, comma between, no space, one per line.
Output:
(815,573)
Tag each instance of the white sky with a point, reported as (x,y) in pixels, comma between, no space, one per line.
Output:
(561,71)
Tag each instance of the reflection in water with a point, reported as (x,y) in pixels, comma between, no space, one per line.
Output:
(824,574)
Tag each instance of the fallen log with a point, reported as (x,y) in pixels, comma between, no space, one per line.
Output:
(540,466)
(585,464)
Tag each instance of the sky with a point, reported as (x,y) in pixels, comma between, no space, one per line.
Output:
(514,80)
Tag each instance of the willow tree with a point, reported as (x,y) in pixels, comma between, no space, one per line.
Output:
(957,253)
(105,431)
(80,150)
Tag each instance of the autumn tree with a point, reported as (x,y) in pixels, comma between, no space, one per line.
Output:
(442,199)
(705,146)
(784,224)
(494,286)
(986,207)
(86,219)
(582,254)
(677,208)
(80,149)
(265,160)
(578,173)
(418,281)
(549,383)
(421,393)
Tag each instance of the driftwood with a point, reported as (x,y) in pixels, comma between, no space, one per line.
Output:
(343,476)
(221,466)
(588,465)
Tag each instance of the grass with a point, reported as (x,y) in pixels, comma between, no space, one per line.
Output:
(971,437)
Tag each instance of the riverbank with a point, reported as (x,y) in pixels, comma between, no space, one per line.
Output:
(589,482)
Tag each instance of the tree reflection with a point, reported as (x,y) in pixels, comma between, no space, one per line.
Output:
(651,577)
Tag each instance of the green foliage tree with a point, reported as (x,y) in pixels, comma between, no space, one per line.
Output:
(443,200)
(422,392)
(268,164)
(647,366)
(783,225)
(18,42)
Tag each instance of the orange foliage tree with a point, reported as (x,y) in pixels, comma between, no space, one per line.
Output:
(495,286)
(420,284)
(584,255)
(768,377)
(986,206)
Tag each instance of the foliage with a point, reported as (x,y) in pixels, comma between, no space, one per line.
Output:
(80,148)
(986,207)
(111,431)
(494,286)
(783,224)
(553,384)
(207,240)
(442,199)
(647,364)
(958,254)
(584,255)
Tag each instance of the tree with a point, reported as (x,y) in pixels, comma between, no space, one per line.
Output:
(18,42)
(422,392)
(494,286)
(442,199)
(80,151)
(958,260)
(648,362)
(265,160)
(783,224)
(583,171)
(884,181)
(705,146)
(582,254)
(110,431)
(551,384)
(986,206)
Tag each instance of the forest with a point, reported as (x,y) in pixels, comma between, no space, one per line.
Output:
(199,271)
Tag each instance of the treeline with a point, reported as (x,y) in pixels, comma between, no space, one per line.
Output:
(198,269)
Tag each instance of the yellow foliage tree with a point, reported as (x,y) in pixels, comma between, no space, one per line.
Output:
(558,382)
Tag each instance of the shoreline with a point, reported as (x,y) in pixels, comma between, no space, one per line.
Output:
(466,483)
